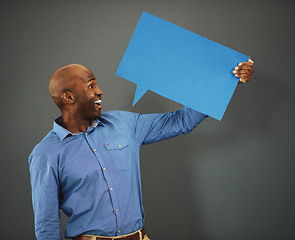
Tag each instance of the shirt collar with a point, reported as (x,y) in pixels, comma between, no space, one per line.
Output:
(62,133)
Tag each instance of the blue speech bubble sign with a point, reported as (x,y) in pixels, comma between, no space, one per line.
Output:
(180,65)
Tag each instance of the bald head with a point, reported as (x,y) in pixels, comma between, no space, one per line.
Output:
(65,79)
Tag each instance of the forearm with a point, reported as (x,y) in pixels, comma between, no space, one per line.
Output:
(172,124)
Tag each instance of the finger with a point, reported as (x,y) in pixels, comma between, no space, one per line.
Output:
(242,71)
(239,72)
(244,80)
(244,67)
(251,61)
(243,75)
(245,64)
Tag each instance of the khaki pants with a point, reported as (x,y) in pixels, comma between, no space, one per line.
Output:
(145,238)
(114,238)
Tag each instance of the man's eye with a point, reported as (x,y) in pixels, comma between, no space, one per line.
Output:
(90,86)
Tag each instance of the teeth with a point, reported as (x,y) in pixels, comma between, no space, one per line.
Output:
(98,101)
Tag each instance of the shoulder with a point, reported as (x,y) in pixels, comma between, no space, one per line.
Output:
(118,115)
(50,139)
(47,147)
(108,114)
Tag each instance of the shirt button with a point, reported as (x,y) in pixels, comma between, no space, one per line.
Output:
(120,146)
(111,189)
(119,231)
(104,168)
(117,210)
(86,134)
(94,150)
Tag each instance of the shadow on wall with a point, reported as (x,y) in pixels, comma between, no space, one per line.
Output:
(224,178)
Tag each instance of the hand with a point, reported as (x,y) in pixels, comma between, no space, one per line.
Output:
(244,71)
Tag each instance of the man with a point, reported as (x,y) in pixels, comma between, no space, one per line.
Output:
(88,165)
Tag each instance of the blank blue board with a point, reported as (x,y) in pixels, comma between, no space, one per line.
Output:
(180,65)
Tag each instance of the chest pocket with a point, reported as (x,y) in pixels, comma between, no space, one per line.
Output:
(119,151)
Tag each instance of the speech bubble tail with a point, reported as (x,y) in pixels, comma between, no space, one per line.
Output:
(140,91)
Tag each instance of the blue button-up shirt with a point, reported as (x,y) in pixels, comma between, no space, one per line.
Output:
(94,176)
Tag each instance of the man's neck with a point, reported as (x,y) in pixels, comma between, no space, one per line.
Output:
(75,124)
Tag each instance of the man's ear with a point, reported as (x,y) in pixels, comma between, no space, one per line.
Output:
(67,97)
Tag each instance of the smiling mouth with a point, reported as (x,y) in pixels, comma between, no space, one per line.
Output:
(98,103)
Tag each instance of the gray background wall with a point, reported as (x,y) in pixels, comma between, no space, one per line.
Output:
(225,180)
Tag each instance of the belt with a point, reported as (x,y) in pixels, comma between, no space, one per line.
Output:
(138,235)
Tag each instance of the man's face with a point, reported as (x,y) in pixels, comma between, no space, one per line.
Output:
(87,95)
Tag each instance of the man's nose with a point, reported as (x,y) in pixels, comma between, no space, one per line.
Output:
(98,91)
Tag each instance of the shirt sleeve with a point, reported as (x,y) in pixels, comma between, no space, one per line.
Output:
(45,197)
(149,128)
